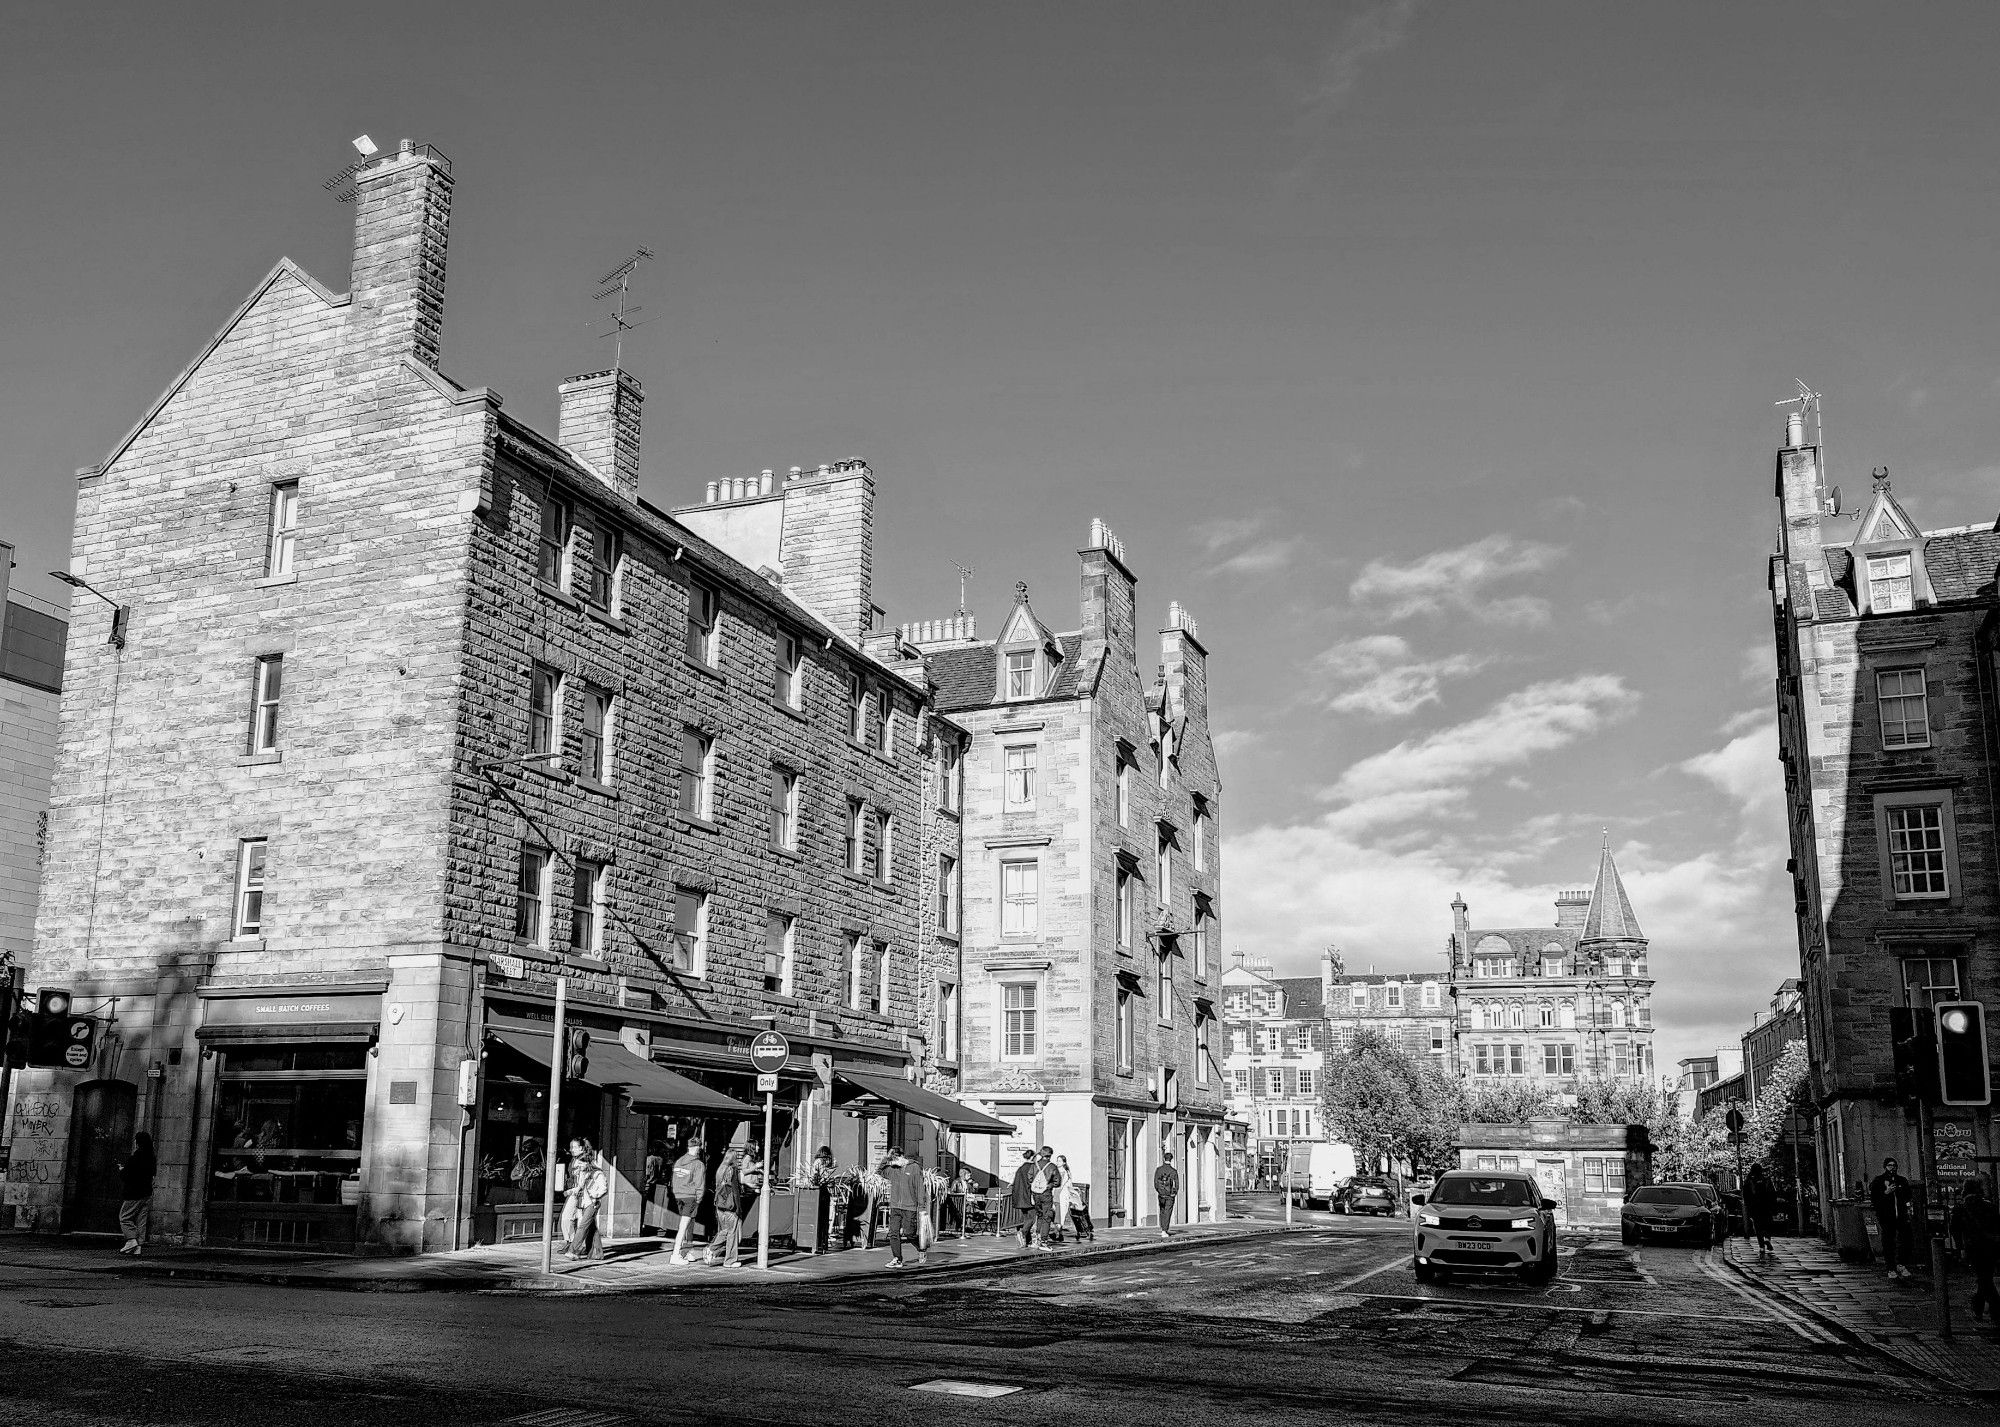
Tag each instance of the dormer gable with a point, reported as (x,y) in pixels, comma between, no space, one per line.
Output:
(1888,556)
(1027,654)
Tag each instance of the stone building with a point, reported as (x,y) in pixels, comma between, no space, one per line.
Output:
(1885,638)
(421,709)
(1276,1057)
(1091,909)
(31,660)
(1411,1010)
(1555,1006)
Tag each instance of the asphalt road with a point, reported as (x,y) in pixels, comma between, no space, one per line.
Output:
(1325,1323)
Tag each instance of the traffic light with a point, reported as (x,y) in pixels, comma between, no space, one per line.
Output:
(576,1060)
(55,1036)
(16,1025)
(1961,1054)
(1913,1035)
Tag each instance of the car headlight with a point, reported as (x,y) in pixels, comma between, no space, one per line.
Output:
(1521,1223)
(1429,1218)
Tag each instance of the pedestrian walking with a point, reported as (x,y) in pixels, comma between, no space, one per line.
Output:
(1043,1183)
(689,1183)
(1022,1196)
(1058,1211)
(1167,1189)
(587,1183)
(1975,1223)
(1075,1203)
(907,1195)
(1892,1197)
(135,1194)
(1760,1203)
(731,1196)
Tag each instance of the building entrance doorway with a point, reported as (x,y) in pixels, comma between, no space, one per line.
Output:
(102,1119)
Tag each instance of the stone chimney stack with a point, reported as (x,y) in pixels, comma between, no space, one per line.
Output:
(1572,908)
(826,547)
(402,219)
(1184,660)
(1110,593)
(1801,493)
(598,422)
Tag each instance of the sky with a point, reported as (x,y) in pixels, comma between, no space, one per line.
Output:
(1426,352)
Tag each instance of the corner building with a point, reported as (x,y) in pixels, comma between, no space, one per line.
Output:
(1091,890)
(421,708)
(1886,636)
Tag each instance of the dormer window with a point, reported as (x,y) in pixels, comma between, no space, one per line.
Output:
(1889,587)
(1020,673)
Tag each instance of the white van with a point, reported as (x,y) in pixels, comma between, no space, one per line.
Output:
(1319,1172)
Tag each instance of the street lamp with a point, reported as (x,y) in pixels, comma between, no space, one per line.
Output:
(120,613)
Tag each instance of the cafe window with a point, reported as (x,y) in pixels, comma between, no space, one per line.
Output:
(288,1122)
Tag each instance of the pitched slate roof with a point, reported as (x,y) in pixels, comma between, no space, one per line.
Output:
(1960,564)
(964,676)
(1302,996)
(1610,917)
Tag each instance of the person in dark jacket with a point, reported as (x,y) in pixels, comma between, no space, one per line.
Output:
(1975,1224)
(1892,1198)
(907,1193)
(1022,1197)
(135,1189)
(1167,1189)
(1760,1204)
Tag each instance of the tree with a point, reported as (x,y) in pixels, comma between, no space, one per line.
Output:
(1607,1102)
(1390,1104)
(1775,1101)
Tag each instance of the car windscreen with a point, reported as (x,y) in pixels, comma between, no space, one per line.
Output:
(1653,1194)
(1500,1193)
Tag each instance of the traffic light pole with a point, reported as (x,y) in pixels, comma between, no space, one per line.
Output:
(558,1052)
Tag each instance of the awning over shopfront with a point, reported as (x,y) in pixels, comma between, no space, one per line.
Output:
(648,1086)
(919,1101)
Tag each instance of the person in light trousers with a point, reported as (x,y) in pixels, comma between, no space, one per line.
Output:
(135,1187)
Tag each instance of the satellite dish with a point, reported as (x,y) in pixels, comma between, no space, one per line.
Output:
(1833,501)
(364,146)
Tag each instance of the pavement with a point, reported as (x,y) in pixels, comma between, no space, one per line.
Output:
(1895,1316)
(629,1265)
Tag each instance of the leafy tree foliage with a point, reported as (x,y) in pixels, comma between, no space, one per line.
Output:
(1386,1102)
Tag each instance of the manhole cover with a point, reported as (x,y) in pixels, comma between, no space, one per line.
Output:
(955,1387)
(568,1417)
(61,1302)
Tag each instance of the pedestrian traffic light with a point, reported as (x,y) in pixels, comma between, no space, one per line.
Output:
(1961,1054)
(577,1059)
(1913,1036)
(57,1038)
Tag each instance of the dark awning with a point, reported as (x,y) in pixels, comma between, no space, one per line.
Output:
(929,1104)
(612,1067)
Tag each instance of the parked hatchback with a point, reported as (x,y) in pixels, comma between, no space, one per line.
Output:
(1485,1221)
(1667,1211)
(1365,1199)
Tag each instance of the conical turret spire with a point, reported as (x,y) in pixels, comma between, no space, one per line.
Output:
(1610,917)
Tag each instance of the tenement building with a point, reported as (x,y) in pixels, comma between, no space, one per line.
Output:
(1276,1057)
(421,712)
(1886,636)
(1408,1010)
(1090,876)
(1556,1006)
(31,662)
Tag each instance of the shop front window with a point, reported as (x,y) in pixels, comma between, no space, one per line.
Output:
(288,1122)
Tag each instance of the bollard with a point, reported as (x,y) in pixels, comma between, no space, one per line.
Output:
(1940,1287)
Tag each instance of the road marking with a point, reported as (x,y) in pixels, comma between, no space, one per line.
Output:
(1396,1262)
(1515,1304)
(1805,1327)
(956,1387)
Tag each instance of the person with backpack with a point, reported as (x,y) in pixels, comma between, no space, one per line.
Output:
(687,1184)
(1167,1189)
(731,1196)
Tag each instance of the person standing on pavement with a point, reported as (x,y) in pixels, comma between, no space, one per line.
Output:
(1022,1197)
(1074,1205)
(1760,1204)
(589,1181)
(1975,1223)
(906,1201)
(1167,1189)
(135,1194)
(730,1195)
(689,1183)
(1892,1197)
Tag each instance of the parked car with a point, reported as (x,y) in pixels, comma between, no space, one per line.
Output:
(1359,1198)
(1668,1211)
(1487,1221)
(1725,1207)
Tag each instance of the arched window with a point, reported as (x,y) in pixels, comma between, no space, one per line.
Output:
(1567,1013)
(1617,1013)
(1548,1016)
(1514,1016)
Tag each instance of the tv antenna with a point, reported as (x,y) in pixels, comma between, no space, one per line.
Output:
(618,283)
(1807,401)
(341,185)
(964,574)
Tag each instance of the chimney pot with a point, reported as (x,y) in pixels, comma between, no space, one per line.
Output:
(1795,430)
(711,492)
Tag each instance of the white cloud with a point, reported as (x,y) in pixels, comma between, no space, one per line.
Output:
(1262,558)
(1459,581)
(1233,740)
(1538,719)
(1379,676)
(1228,530)
(1372,32)
(1246,554)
